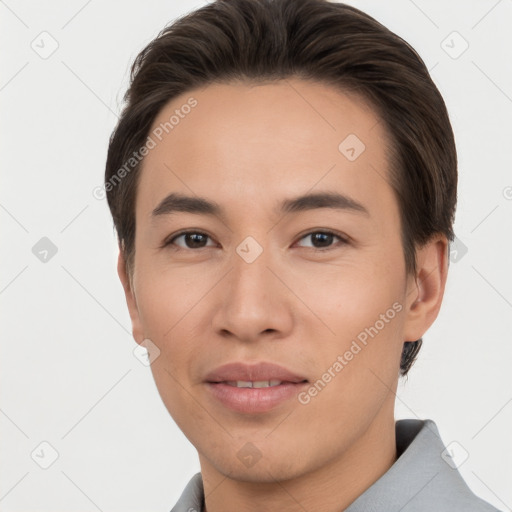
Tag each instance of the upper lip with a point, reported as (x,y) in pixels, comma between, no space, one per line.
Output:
(252,372)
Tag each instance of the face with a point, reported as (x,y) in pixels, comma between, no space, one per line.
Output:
(316,287)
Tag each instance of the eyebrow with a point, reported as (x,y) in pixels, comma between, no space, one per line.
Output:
(176,202)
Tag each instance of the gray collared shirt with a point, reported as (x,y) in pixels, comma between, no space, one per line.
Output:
(423,478)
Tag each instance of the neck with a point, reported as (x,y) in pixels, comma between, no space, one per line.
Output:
(331,488)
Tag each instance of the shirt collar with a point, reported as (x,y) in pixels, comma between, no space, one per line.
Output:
(424,477)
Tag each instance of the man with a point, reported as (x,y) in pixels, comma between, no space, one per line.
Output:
(283,185)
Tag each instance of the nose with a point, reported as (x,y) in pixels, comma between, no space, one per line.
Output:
(254,301)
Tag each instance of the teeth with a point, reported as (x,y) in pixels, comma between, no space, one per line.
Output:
(254,384)
(265,383)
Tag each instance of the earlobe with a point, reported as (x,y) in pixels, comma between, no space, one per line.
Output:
(131,301)
(426,290)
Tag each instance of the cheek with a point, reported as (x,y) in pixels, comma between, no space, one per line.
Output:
(364,308)
(164,311)
(167,319)
(356,374)
(352,297)
(165,301)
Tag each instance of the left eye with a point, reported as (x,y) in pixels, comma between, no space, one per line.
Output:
(197,240)
(324,238)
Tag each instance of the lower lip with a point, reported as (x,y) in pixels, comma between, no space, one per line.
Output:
(254,400)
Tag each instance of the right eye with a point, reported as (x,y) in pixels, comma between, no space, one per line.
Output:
(191,239)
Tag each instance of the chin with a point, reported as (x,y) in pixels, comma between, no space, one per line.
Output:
(260,473)
(248,465)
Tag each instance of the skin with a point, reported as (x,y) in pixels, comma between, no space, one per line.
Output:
(300,304)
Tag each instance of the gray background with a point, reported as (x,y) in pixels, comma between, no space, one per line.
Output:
(68,373)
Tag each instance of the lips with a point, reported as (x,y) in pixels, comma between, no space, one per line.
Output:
(260,372)
(254,389)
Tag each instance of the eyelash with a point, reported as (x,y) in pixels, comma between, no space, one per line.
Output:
(343,240)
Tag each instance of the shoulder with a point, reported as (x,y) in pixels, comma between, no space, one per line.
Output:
(423,478)
(192,497)
(428,466)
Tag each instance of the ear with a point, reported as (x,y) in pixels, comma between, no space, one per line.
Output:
(426,289)
(131,302)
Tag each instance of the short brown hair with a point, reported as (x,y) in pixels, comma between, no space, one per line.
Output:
(319,40)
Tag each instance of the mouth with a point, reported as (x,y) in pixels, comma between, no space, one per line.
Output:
(252,389)
(257,383)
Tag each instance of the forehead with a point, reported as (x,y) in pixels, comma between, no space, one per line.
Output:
(240,139)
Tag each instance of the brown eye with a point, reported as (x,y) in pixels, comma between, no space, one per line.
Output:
(191,240)
(323,239)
